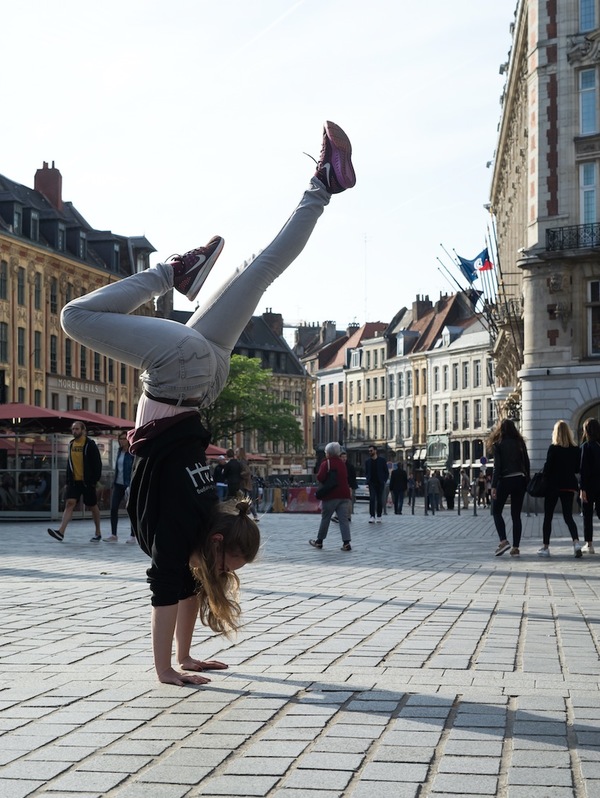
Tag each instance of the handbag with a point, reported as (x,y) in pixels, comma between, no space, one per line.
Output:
(329,484)
(536,486)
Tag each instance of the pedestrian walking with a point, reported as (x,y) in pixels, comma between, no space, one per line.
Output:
(376,472)
(509,478)
(84,469)
(120,487)
(398,486)
(338,500)
(560,475)
(589,473)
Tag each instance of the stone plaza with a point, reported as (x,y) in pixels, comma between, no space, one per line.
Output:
(416,665)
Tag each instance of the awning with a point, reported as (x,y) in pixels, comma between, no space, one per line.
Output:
(17,416)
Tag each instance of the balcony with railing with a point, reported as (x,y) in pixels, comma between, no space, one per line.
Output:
(575,236)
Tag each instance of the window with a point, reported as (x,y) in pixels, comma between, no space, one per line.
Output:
(400,423)
(21,286)
(409,383)
(477,374)
(322,396)
(21,346)
(375,435)
(359,432)
(424,381)
(465,375)
(382,384)
(375,359)
(21,395)
(392,385)
(37,291)
(359,391)
(97,367)
(37,350)
(83,363)
(587,102)
(374,387)
(68,293)
(330,392)
(455,376)
(477,419)
(82,246)
(17,221)
(587,193)
(368,360)
(61,237)
(351,392)
(491,413)
(3,342)
(68,357)
(382,425)
(436,417)
(409,431)
(53,295)
(465,414)
(391,420)
(3,279)
(37,398)
(340,392)
(368,422)
(416,381)
(111,408)
(587,15)
(111,370)
(34,229)
(446,416)
(436,379)
(454,415)
(594,317)
(400,384)
(446,378)
(53,354)
(124,412)
(368,390)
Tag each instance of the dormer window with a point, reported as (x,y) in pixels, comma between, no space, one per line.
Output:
(17,221)
(116,257)
(82,250)
(34,226)
(61,238)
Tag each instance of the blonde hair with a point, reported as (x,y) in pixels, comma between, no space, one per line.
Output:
(218,606)
(562,435)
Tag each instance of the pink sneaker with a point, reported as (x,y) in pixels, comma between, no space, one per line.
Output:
(334,167)
(191,269)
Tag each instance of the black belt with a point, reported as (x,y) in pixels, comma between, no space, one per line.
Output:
(175,402)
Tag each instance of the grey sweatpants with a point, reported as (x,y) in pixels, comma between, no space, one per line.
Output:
(188,361)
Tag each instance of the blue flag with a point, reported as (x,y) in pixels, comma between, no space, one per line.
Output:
(470,267)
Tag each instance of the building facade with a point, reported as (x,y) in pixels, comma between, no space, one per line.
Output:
(49,255)
(544,199)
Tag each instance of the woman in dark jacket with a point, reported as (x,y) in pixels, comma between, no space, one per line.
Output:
(510,478)
(560,474)
(589,472)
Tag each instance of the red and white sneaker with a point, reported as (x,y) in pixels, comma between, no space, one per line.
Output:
(334,167)
(191,269)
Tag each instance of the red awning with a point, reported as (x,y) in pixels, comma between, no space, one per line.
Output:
(17,415)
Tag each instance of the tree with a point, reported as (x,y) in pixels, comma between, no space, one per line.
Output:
(247,404)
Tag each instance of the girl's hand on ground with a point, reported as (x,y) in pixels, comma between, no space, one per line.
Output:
(171,676)
(191,664)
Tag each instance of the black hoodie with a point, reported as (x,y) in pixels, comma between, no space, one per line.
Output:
(172,497)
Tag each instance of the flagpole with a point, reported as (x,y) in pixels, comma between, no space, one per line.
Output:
(517,337)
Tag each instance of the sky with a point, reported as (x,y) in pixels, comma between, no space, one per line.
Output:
(184,119)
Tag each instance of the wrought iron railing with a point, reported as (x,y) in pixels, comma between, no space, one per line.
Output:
(575,236)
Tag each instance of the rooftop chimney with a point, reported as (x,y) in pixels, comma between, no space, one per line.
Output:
(274,320)
(48,181)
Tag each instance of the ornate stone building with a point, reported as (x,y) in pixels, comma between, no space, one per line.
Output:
(545,201)
(49,254)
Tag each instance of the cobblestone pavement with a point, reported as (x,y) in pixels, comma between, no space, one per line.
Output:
(416,665)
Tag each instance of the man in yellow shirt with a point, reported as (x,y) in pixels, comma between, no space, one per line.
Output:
(84,469)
